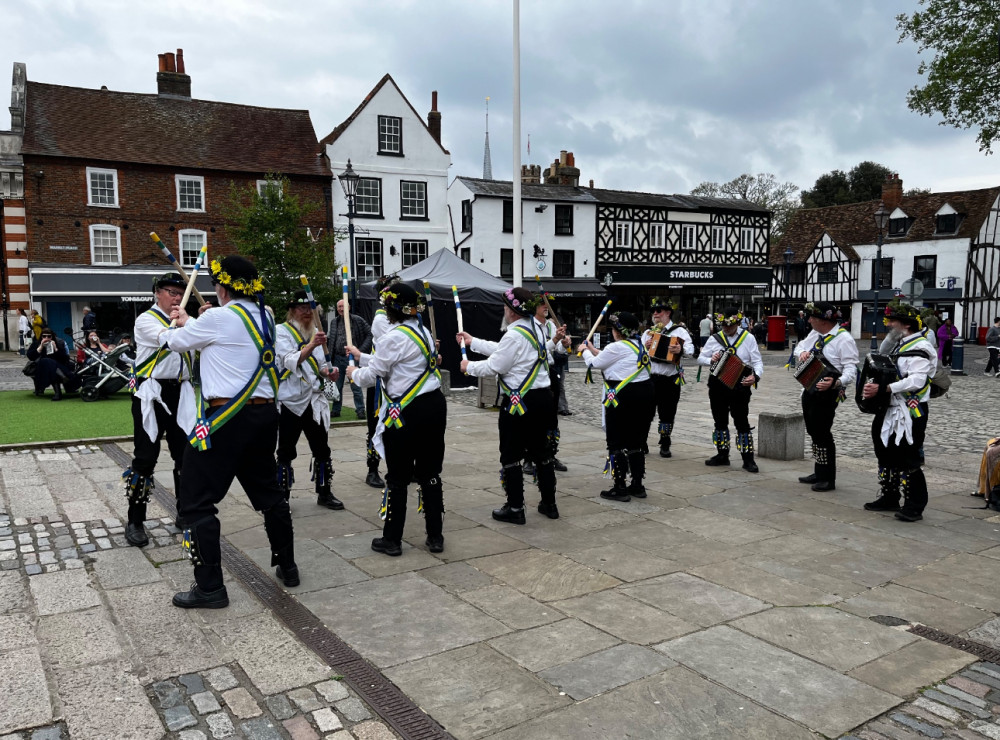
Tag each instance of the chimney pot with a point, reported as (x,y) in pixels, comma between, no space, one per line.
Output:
(562,157)
(434,118)
(171,62)
(434,100)
(570,160)
(180,61)
(591,184)
(163,62)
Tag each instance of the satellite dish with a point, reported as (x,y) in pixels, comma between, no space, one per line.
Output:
(913,288)
(540,265)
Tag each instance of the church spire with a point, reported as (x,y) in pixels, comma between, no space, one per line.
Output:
(487,164)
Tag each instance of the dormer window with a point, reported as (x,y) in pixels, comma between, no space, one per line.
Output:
(946,220)
(899,223)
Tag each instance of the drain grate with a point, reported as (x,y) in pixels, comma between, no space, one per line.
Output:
(889,621)
(391,704)
(980,650)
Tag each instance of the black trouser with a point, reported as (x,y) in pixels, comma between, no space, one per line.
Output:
(994,362)
(946,352)
(557,377)
(901,459)
(416,448)
(242,449)
(819,409)
(668,394)
(726,402)
(290,427)
(147,451)
(49,372)
(526,436)
(371,400)
(626,427)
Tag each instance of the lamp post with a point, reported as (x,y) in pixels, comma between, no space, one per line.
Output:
(788,290)
(349,180)
(881,219)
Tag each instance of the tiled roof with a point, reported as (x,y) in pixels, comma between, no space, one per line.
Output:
(854,224)
(335,134)
(185,133)
(505,189)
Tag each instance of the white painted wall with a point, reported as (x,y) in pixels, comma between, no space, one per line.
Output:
(952,254)
(989,234)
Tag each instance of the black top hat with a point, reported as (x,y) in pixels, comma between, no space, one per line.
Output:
(168,279)
(521,301)
(903,312)
(238,274)
(662,304)
(824,310)
(626,323)
(299,298)
(401,297)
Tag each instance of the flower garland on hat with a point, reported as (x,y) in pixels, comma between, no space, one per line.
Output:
(902,311)
(526,307)
(721,318)
(240,286)
(390,298)
(833,314)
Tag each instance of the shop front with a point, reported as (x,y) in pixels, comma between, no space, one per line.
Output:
(577,302)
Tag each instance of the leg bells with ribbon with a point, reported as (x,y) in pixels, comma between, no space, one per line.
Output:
(512,480)
(744,443)
(201,545)
(137,490)
(323,477)
(888,498)
(278,526)
(618,467)
(720,438)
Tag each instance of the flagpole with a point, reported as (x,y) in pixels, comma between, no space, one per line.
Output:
(518,256)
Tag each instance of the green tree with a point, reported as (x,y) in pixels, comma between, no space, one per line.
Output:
(963,77)
(270,228)
(763,190)
(837,188)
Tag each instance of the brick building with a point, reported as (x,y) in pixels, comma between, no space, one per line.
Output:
(102,169)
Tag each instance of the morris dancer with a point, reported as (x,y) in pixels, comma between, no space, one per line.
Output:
(819,405)
(373,398)
(667,376)
(156,380)
(736,402)
(527,412)
(898,432)
(302,405)
(548,326)
(413,420)
(235,436)
(628,403)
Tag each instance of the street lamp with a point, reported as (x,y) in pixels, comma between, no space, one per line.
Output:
(881,219)
(788,288)
(349,180)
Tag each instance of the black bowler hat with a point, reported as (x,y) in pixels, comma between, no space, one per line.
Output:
(168,279)
(662,304)
(299,298)
(626,323)
(238,274)
(401,297)
(824,310)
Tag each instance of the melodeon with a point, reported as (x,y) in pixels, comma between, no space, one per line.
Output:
(665,348)
(729,369)
(813,369)
(879,369)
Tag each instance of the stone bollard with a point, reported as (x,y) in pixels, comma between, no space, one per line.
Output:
(958,356)
(445,381)
(781,436)
(487,392)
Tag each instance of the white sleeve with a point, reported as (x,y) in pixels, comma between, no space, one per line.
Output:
(287,349)
(501,357)
(483,346)
(688,344)
(708,349)
(147,330)
(197,333)
(756,361)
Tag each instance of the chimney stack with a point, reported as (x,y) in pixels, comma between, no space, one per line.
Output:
(171,81)
(531,174)
(434,118)
(892,191)
(563,171)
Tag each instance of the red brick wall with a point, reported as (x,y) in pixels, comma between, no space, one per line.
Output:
(57,201)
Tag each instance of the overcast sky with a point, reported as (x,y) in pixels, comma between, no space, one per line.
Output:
(653,95)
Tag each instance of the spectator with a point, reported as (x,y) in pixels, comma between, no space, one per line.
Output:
(24,333)
(801,326)
(52,365)
(705,330)
(89,320)
(993,345)
(37,322)
(989,474)
(96,347)
(946,334)
(361,335)
(933,322)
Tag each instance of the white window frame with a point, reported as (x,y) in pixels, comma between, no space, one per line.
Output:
(180,243)
(366,247)
(420,245)
(658,235)
(90,192)
(719,238)
(261,184)
(177,186)
(389,135)
(118,242)
(414,203)
(378,196)
(689,237)
(746,238)
(623,235)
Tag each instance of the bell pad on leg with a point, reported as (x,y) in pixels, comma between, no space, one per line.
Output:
(138,487)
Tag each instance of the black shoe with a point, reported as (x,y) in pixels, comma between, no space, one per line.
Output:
(665,452)
(528,467)
(908,516)
(507,514)
(435,542)
(882,503)
(717,461)
(290,577)
(373,479)
(198,599)
(334,414)
(616,494)
(750,466)
(824,485)
(645,448)
(381,544)
(637,491)
(180,523)
(136,535)
(549,510)
(329,501)
(565,413)
(39,393)
(558,465)
(361,417)
(811,478)
(56,392)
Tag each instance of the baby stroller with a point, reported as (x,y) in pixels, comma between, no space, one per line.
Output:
(105,375)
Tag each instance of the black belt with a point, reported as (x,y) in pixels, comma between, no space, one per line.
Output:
(213,402)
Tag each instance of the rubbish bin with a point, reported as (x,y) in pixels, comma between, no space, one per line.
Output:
(777,332)
(978,334)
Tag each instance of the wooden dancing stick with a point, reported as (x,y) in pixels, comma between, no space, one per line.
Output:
(458,310)
(315,308)
(177,265)
(548,305)
(202,255)
(347,319)
(430,310)
(594,327)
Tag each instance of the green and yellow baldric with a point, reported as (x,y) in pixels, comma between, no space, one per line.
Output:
(731,348)
(145,368)
(394,411)
(825,340)
(200,438)
(641,364)
(541,361)
(302,342)
(913,398)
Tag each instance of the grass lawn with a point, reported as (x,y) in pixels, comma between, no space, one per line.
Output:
(27,418)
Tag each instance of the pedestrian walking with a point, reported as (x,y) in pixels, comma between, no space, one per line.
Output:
(24,334)
(946,334)
(705,328)
(362,337)
(993,347)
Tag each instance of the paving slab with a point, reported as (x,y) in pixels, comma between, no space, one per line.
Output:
(318,567)
(125,566)
(17,631)
(377,565)
(857,567)
(762,585)
(828,636)
(474,542)
(917,665)
(953,587)
(13,593)
(674,705)
(553,644)
(26,701)
(543,575)
(694,599)
(77,639)
(815,695)
(915,606)
(716,526)
(457,578)
(368,616)
(606,670)
(624,562)
(511,607)
(649,535)
(105,701)
(800,574)
(86,510)
(65,591)
(474,691)
(625,618)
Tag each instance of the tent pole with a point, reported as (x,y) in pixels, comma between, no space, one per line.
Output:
(516,174)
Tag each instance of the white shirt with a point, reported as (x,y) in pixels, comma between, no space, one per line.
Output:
(513,357)
(617,361)
(550,332)
(916,371)
(297,390)
(841,351)
(748,351)
(23,325)
(659,367)
(380,325)
(146,334)
(399,362)
(229,357)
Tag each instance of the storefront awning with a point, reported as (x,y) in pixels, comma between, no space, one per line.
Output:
(91,283)
(688,275)
(572,288)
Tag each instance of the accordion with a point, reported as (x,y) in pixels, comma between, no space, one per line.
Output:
(665,348)
(813,369)
(879,369)
(729,369)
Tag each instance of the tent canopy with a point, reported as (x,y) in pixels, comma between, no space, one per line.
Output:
(444,269)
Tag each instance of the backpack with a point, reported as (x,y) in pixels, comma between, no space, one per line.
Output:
(940,381)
